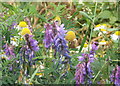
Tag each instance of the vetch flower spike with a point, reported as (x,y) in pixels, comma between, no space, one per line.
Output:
(48,38)
(83,74)
(115,76)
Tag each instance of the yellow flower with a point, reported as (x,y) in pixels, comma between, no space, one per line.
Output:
(98,25)
(104,25)
(103,42)
(21,39)
(117,33)
(25,31)
(3,57)
(70,36)
(30,83)
(116,36)
(57,19)
(22,24)
(85,45)
(13,39)
(38,74)
(103,29)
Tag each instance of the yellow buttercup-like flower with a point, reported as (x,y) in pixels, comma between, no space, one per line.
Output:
(22,24)
(25,31)
(70,36)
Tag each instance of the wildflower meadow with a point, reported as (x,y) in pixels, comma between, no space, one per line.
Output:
(60,43)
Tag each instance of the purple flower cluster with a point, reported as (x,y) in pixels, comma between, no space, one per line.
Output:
(27,51)
(9,51)
(115,76)
(60,44)
(48,40)
(55,34)
(83,74)
(32,44)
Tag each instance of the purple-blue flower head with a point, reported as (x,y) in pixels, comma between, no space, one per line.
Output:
(8,50)
(48,39)
(32,43)
(84,75)
(60,44)
(115,76)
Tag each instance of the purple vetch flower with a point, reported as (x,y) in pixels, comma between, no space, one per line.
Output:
(48,39)
(55,34)
(85,72)
(26,61)
(115,76)
(32,44)
(80,73)
(9,51)
(83,75)
(60,44)
(26,53)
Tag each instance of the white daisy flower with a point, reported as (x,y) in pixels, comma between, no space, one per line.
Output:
(102,28)
(116,36)
(85,48)
(103,42)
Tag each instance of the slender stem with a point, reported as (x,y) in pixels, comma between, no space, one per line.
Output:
(91,28)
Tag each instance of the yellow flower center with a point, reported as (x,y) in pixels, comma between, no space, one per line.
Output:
(98,25)
(117,33)
(70,36)
(104,25)
(25,31)
(21,39)
(85,45)
(57,18)
(13,39)
(103,41)
(3,57)
(22,24)
(103,29)
(39,74)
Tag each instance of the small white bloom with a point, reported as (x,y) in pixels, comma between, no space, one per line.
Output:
(103,42)
(116,36)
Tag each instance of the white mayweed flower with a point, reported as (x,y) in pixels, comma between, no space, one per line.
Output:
(15,40)
(116,36)
(102,28)
(103,42)
(85,48)
(2,55)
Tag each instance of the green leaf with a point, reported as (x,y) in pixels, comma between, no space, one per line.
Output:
(85,15)
(105,14)
(33,75)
